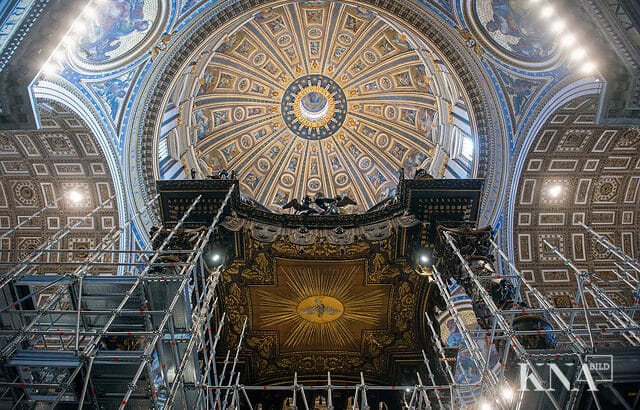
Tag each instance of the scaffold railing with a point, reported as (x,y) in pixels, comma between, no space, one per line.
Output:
(151,337)
(618,321)
(91,322)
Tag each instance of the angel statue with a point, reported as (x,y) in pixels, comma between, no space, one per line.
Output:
(331,206)
(321,205)
(303,207)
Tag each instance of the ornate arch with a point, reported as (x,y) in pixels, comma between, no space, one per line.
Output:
(565,92)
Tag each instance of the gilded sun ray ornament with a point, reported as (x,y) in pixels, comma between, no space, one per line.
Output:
(320,306)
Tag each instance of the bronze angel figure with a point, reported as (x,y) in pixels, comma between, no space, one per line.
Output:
(321,205)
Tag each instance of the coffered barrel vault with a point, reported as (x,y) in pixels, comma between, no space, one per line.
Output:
(39,169)
(577,172)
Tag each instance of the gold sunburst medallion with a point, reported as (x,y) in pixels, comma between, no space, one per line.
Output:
(320,309)
(326,112)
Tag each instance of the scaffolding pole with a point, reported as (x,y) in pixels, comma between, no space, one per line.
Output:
(487,377)
(193,259)
(443,357)
(181,342)
(77,275)
(504,326)
(22,265)
(89,350)
(584,277)
(35,215)
(432,379)
(577,344)
(619,253)
(235,362)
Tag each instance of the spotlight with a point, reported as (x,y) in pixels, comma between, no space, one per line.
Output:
(214,256)
(79,27)
(90,12)
(422,256)
(588,68)
(547,11)
(578,53)
(506,393)
(68,41)
(485,405)
(58,55)
(49,68)
(557,26)
(568,40)
(75,197)
(408,390)
(554,191)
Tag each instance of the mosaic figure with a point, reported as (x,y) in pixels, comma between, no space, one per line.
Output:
(352,24)
(281,198)
(314,16)
(113,91)
(118,19)
(376,178)
(525,32)
(519,91)
(203,124)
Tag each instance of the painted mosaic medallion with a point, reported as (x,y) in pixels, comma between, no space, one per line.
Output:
(314,107)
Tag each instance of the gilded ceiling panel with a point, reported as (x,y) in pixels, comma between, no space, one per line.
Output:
(333,308)
(577,171)
(39,169)
(320,306)
(330,98)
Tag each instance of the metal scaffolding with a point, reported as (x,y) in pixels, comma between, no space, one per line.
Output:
(150,338)
(111,341)
(569,325)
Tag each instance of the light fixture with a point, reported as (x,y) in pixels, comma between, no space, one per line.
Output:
(423,256)
(554,191)
(568,39)
(578,53)
(49,68)
(558,25)
(75,196)
(507,393)
(68,41)
(58,55)
(485,405)
(214,256)
(588,67)
(547,11)
(90,12)
(79,27)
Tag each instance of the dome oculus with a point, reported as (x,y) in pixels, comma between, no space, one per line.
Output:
(314,107)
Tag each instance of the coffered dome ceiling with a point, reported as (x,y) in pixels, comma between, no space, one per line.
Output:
(306,98)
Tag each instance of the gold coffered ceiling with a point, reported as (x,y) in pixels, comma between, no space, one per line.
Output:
(343,309)
(318,306)
(328,97)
